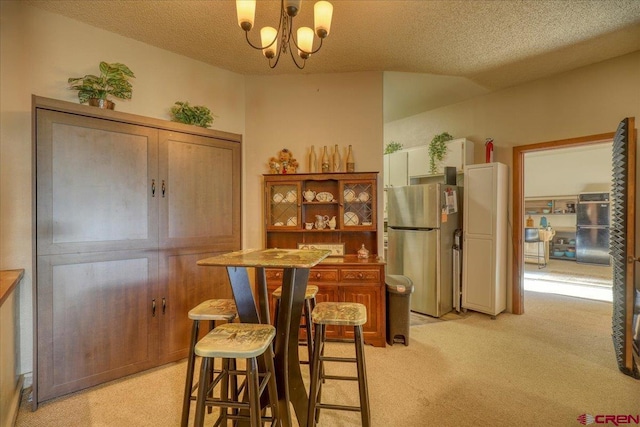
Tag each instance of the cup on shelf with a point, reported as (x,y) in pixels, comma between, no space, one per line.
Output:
(308,225)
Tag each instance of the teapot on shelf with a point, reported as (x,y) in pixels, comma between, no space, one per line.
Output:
(309,195)
(321,221)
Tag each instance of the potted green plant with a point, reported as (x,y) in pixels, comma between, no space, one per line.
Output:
(392,147)
(191,114)
(113,80)
(437,150)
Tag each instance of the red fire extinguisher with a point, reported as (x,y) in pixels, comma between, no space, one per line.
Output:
(488,150)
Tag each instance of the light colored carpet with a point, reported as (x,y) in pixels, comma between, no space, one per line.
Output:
(543,368)
(570,272)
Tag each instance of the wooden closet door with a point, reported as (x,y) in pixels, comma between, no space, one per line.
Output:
(95,182)
(199,217)
(97,261)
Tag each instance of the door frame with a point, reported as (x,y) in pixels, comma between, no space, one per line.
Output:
(517,300)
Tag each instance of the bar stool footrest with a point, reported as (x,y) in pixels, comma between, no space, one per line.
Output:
(338,407)
(338,377)
(338,359)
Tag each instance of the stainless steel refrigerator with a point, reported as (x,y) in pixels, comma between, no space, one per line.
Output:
(593,215)
(421,222)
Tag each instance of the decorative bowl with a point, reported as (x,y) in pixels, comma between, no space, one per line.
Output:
(558,253)
(546,211)
(570,254)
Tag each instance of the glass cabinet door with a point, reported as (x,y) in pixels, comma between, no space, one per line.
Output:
(358,204)
(283,203)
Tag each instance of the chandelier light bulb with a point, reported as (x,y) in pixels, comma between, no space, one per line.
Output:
(322,12)
(269,41)
(305,42)
(292,7)
(246,10)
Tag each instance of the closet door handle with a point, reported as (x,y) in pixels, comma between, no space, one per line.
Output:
(164,305)
(163,188)
(153,308)
(153,188)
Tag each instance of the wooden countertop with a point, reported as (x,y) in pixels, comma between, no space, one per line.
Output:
(352,260)
(8,281)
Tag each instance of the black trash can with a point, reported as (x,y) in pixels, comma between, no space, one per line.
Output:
(399,290)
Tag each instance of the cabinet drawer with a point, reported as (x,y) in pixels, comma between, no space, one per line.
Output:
(315,275)
(360,275)
(274,274)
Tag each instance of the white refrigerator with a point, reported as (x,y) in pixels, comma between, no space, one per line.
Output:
(484,261)
(422,220)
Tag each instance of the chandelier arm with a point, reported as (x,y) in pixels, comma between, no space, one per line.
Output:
(275,62)
(246,33)
(282,15)
(295,61)
(304,51)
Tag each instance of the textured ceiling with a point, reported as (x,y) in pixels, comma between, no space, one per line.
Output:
(461,48)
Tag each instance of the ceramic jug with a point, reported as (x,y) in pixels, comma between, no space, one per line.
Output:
(332,223)
(309,195)
(321,221)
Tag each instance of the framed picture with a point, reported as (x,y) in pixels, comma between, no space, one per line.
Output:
(337,249)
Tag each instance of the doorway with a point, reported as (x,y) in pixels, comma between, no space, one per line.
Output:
(519,153)
(554,179)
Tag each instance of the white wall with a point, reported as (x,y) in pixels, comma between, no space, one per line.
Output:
(587,101)
(568,171)
(39,51)
(298,111)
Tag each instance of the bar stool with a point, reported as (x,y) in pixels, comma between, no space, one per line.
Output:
(309,304)
(212,310)
(339,314)
(238,341)
(532,235)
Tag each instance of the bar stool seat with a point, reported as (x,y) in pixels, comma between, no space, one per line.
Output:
(309,304)
(238,341)
(309,293)
(338,314)
(212,310)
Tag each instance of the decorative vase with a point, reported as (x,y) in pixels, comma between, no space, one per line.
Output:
(351,166)
(332,223)
(336,159)
(312,160)
(529,221)
(101,103)
(325,160)
(363,253)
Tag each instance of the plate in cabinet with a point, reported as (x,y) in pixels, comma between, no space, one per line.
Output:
(351,218)
(349,196)
(324,197)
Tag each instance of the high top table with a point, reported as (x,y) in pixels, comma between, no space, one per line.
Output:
(296,264)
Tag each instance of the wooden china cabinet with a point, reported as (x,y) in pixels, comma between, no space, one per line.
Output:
(337,211)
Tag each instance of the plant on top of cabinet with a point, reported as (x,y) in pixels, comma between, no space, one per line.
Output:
(392,147)
(197,115)
(113,80)
(437,150)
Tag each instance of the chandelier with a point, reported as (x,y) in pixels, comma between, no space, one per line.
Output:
(303,42)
